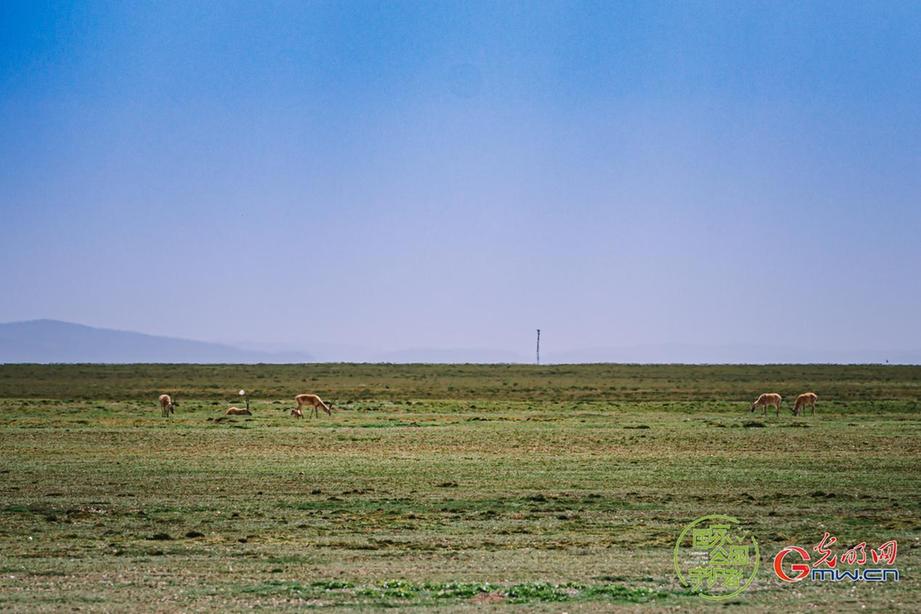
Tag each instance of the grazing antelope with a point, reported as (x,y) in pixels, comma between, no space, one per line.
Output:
(807,398)
(314,401)
(768,398)
(297,413)
(167,405)
(236,411)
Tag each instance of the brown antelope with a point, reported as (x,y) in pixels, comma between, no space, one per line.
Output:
(167,405)
(236,411)
(807,398)
(314,401)
(768,398)
(297,413)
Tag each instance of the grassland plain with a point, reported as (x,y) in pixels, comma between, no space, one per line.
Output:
(449,487)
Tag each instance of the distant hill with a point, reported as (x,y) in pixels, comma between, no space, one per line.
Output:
(52,341)
(48,341)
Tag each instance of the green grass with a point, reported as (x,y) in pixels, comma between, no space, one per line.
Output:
(452,486)
(398,384)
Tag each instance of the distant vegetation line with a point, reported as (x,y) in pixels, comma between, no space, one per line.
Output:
(597,382)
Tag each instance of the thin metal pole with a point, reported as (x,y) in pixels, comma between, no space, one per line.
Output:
(538,346)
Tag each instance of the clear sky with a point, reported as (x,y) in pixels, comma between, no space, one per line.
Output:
(456,174)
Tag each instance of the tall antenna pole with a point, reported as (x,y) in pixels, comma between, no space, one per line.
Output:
(538,346)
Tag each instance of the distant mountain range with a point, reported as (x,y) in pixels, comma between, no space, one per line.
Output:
(49,341)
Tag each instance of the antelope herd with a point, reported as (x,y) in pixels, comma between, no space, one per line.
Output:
(765,400)
(772,399)
(167,406)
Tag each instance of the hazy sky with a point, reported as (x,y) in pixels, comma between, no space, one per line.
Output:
(457,174)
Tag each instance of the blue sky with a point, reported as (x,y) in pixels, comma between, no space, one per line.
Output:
(455,175)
